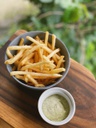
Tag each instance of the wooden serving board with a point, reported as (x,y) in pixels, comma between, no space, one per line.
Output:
(18,105)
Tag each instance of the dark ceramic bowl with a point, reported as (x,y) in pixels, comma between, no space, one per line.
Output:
(59,44)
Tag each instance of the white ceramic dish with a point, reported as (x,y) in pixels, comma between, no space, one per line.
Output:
(66,95)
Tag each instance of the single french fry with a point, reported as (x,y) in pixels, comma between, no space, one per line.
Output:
(26,77)
(31,66)
(46,38)
(53,41)
(21,43)
(49,45)
(53,53)
(35,75)
(40,53)
(37,38)
(60,62)
(19,77)
(35,69)
(15,58)
(19,47)
(31,79)
(9,53)
(54,71)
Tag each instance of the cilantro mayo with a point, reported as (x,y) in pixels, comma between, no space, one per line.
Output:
(55,107)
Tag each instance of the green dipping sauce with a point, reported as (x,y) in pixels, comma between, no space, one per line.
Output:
(56,107)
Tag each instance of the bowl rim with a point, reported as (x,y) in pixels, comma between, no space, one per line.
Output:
(54,90)
(51,85)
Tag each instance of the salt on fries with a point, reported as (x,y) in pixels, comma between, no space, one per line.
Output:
(38,64)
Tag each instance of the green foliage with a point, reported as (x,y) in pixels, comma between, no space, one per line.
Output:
(90,62)
(64,3)
(72,15)
(73,21)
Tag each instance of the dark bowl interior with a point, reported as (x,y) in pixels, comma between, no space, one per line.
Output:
(59,44)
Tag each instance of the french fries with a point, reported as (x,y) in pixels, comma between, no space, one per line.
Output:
(38,64)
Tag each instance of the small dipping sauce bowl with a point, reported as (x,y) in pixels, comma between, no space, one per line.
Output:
(56,106)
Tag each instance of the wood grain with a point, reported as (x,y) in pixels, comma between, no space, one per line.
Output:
(3,124)
(18,105)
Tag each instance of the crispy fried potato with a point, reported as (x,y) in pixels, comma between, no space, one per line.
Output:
(39,63)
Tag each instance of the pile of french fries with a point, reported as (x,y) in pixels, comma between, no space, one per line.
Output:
(38,64)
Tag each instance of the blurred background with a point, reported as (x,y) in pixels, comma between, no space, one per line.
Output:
(73,21)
